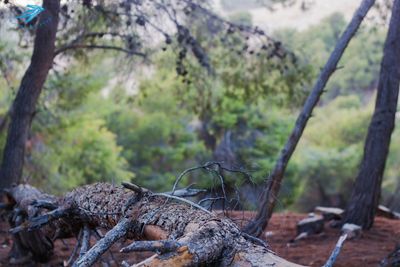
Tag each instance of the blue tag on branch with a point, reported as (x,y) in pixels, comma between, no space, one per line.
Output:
(31,13)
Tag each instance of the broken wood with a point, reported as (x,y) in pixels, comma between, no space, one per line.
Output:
(32,245)
(330,213)
(181,234)
(352,230)
(335,253)
(387,213)
(311,225)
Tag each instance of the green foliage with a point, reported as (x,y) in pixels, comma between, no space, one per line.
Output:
(360,64)
(329,153)
(70,146)
(10,61)
(76,154)
(157,135)
(88,129)
(258,131)
(342,122)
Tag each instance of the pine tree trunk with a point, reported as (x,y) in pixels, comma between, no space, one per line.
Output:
(25,102)
(366,191)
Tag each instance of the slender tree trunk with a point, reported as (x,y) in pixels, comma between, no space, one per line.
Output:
(272,187)
(25,102)
(366,191)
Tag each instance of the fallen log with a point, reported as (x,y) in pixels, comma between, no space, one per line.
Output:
(27,245)
(181,234)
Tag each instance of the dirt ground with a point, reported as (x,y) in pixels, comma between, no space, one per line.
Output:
(368,250)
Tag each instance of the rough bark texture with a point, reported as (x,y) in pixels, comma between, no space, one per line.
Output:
(33,244)
(25,102)
(366,191)
(189,236)
(274,181)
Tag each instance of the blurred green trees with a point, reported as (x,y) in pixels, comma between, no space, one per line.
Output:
(330,151)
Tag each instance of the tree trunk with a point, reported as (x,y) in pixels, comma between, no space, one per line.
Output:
(180,234)
(25,102)
(274,181)
(366,192)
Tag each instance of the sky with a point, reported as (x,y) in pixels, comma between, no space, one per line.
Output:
(294,17)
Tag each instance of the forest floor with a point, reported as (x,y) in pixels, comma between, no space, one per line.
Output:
(368,250)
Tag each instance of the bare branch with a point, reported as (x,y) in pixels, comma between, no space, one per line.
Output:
(187,192)
(182,200)
(44,204)
(39,221)
(336,251)
(75,250)
(213,199)
(105,243)
(207,166)
(105,47)
(135,188)
(163,246)
(85,241)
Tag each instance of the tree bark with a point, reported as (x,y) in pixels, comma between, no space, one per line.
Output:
(366,191)
(25,102)
(180,234)
(274,181)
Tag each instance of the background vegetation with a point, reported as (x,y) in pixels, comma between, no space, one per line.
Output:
(93,125)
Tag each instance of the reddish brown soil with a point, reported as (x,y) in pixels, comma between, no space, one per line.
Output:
(368,250)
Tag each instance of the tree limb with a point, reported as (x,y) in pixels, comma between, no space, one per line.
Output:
(104,244)
(105,47)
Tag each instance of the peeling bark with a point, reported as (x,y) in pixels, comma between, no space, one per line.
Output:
(182,235)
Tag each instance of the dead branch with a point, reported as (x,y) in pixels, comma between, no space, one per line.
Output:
(103,47)
(187,192)
(162,246)
(75,250)
(183,200)
(85,241)
(336,251)
(180,234)
(104,244)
